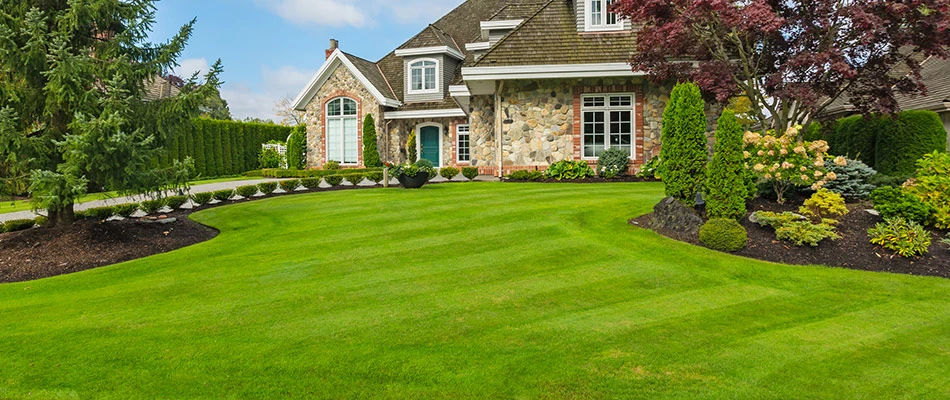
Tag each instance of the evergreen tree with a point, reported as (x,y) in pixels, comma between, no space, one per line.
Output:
(725,174)
(411,148)
(370,149)
(683,148)
(296,148)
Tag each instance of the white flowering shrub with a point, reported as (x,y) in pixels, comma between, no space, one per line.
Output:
(786,162)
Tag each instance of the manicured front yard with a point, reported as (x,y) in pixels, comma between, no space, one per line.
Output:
(469,290)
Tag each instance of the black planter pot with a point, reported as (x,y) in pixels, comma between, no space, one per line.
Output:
(414,182)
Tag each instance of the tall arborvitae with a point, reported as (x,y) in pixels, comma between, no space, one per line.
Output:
(725,174)
(370,146)
(297,147)
(684,143)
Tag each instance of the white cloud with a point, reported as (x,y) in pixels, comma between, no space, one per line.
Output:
(244,101)
(191,65)
(370,12)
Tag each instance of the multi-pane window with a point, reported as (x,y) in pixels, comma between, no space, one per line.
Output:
(599,16)
(342,143)
(464,143)
(423,76)
(607,122)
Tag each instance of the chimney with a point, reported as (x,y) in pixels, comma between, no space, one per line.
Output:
(334,44)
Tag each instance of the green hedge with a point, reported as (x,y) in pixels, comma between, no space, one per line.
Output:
(890,145)
(312,173)
(223,148)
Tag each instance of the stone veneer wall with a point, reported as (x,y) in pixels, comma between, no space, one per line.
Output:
(340,84)
(399,134)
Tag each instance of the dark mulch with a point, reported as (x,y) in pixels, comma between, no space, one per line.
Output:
(854,250)
(622,178)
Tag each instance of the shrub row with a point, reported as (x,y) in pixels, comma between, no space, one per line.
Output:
(312,173)
(889,145)
(221,148)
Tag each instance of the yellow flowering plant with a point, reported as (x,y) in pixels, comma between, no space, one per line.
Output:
(786,162)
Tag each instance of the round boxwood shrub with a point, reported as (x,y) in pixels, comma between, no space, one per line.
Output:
(333,180)
(152,206)
(18,225)
(723,234)
(310,183)
(469,172)
(247,191)
(223,194)
(101,213)
(612,162)
(355,178)
(448,172)
(892,202)
(290,185)
(375,176)
(267,187)
(126,210)
(918,132)
(201,199)
(175,202)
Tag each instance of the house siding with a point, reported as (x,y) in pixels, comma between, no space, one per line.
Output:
(444,79)
(580,8)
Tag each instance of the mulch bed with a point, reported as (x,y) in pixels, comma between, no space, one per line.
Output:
(620,178)
(854,250)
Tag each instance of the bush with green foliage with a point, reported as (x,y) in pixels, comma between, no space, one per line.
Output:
(805,232)
(932,187)
(570,170)
(470,172)
(126,210)
(267,188)
(918,132)
(855,137)
(786,163)
(651,169)
(946,241)
(411,155)
(18,225)
(370,145)
(297,147)
(853,181)
(101,213)
(612,162)
(526,175)
(311,183)
(427,167)
(331,165)
(246,191)
(448,172)
(776,220)
(824,206)
(223,148)
(375,176)
(223,194)
(726,193)
(892,202)
(355,178)
(152,206)
(880,180)
(309,173)
(904,237)
(201,199)
(175,202)
(684,150)
(723,234)
(41,220)
(270,158)
(334,180)
(290,185)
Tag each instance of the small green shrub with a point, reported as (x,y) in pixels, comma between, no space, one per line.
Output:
(270,158)
(805,232)
(201,199)
(355,178)
(223,194)
(892,202)
(152,206)
(427,167)
(567,169)
(469,172)
(889,180)
(526,175)
(331,165)
(267,187)
(723,234)
(126,210)
(946,241)
(776,220)
(334,180)
(247,191)
(19,225)
(824,205)
(175,202)
(916,133)
(650,170)
(41,220)
(932,187)
(613,162)
(290,185)
(101,213)
(448,172)
(375,176)
(311,183)
(853,181)
(904,237)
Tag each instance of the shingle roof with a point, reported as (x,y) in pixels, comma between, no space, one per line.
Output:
(935,73)
(516,11)
(372,73)
(429,37)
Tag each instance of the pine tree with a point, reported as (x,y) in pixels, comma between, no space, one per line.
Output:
(370,147)
(725,174)
(684,143)
(296,147)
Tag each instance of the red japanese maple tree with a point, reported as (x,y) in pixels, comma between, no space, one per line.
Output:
(791,57)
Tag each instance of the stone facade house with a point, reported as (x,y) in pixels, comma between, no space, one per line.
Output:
(496,84)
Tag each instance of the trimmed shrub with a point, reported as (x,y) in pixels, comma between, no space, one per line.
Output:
(568,169)
(723,234)
(267,187)
(355,178)
(448,172)
(334,180)
(814,131)
(375,176)
(855,137)
(651,169)
(684,142)
(175,202)
(824,206)
(852,181)
(370,145)
(725,184)
(297,147)
(411,155)
(311,183)
(101,213)
(427,167)
(776,220)
(906,238)
(152,206)
(41,220)
(126,210)
(893,202)
(247,191)
(887,180)
(201,199)
(18,225)
(918,132)
(269,158)
(932,187)
(804,232)
(526,175)
(331,165)
(469,172)
(290,185)
(612,162)
(223,194)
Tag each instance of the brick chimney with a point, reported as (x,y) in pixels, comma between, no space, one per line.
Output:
(334,44)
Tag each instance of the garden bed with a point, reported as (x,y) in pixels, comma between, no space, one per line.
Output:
(853,250)
(622,178)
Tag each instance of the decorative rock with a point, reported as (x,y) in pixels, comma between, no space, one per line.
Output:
(670,214)
(873,212)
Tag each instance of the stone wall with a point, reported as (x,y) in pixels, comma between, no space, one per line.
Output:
(482,131)
(537,123)
(399,134)
(340,84)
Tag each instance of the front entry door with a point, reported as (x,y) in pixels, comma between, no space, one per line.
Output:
(429,144)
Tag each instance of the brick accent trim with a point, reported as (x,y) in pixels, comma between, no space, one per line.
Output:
(637,90)
(336,94)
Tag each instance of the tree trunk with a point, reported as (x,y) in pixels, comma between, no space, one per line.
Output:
(63,217)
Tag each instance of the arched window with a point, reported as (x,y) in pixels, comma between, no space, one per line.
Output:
(342,142)
(423,76)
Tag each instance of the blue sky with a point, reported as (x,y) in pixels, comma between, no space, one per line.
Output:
(271,48)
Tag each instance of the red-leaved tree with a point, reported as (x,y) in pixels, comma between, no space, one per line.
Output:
(792,57)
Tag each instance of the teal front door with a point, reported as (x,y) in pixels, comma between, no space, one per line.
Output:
(429,144)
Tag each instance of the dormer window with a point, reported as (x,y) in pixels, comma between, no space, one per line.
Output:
(599,18)
(424,76)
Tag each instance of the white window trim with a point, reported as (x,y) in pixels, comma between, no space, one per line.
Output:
(458,145)
(605,27)
(419,141)
(438,76)
(341,117)
(607,108)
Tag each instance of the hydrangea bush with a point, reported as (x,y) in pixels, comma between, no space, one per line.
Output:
(785,162)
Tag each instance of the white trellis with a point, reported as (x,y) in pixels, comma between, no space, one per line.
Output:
(281,149)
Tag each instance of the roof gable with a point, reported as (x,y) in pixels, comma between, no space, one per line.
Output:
(360,69)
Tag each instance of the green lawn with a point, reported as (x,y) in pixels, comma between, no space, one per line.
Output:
(470,290)
(24,205)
